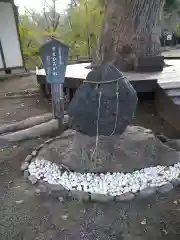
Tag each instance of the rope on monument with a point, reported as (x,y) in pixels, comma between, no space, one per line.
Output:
(104,82)
(98,118)
(97,126)
(99,107)
(117,108)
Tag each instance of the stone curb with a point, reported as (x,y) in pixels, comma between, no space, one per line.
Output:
(147,192)
(59,192)
(165,188)
(125,197)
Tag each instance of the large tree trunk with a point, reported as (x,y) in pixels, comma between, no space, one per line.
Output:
(130,32)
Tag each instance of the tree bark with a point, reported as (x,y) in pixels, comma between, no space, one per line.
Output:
(130,30)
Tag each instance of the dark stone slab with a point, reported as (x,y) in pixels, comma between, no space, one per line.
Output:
(165,188)
(125,197)
(80,195)
(83,110)
(147,192)
(101,197)
(176,182)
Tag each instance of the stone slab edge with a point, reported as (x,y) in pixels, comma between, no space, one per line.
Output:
(59,191)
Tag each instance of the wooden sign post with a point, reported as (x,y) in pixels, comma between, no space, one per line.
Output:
(54,55)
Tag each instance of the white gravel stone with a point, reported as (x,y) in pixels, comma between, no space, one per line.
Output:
(34,153)
(24,166)
(110,184)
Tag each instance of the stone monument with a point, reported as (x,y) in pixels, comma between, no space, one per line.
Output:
(100,112)
(104,104)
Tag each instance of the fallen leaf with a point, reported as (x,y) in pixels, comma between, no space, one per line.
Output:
(61,199)
(175,202)
(19,201)
(53,226)
(165,231)
(143,222)
(64,217)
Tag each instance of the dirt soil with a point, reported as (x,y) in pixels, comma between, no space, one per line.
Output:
(25,216)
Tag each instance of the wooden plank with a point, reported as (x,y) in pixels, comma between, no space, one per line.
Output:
(176,100)
(169,85)
(169,78)
(173,92)
(80,71)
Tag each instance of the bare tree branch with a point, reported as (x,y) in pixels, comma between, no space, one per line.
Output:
(52,18)
(46,18)
(74,2)
(70,22)
(57,23)
(32,16)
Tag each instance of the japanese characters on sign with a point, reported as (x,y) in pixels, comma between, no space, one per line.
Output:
(54,56)
(54,61)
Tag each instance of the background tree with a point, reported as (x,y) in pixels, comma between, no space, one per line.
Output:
(131,31)
(171,16)
(78,26)
(82,26)
(30,40)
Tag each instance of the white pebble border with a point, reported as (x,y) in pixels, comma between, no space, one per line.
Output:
(108,184)
(101,187)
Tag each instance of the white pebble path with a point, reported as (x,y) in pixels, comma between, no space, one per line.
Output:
(110,184)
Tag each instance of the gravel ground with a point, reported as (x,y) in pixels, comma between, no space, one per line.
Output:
(25,216)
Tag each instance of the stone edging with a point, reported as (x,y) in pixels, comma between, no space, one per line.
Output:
(58,191)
